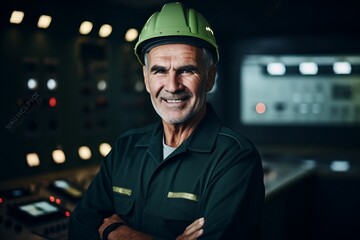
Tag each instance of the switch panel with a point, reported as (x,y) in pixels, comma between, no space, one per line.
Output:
(300,90)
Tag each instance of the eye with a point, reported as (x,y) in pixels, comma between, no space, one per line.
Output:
(159,72)
(186,71)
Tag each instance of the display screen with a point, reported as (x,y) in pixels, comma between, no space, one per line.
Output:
(67,188)
(36,211)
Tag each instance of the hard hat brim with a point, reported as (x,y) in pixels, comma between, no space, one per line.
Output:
(147,45)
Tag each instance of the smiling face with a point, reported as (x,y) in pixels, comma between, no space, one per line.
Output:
(177,80)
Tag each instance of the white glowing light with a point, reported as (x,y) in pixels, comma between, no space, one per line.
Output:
(58,156)
(32,159)
(85,27)
(105,30)
(17,17)
(276,68)
(51,84)
(104,149)
(131,34)
(340,166)
(308,68)
(342,67)
(84,152)
(32,84)
(102,85)
(44,21)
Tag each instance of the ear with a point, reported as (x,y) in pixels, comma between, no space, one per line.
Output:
(211,78)
(146,78)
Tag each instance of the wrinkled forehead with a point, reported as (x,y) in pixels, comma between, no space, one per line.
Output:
(175,52)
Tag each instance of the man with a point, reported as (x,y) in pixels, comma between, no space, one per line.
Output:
(187,176)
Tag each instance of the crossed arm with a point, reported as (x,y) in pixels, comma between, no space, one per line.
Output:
(193,231)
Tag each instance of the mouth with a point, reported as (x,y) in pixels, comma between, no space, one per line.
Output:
(173,100)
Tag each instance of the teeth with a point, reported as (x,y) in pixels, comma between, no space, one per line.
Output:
(173,101)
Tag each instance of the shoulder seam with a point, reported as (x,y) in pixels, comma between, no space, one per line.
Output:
(228,135)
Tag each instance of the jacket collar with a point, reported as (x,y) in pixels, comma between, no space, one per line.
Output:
(201,140)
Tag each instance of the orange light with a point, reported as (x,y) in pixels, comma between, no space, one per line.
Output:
(52,199)
(58,201)
(260,108)
(67,214)
(52,102)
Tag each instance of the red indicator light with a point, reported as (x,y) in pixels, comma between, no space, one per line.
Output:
(260,108)
(58,201)
(1,200)
(52,199)
(52,102)
(67,214)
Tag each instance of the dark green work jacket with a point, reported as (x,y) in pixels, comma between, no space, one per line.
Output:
(216,174)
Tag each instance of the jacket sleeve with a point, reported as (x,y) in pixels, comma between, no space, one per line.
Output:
(95,205)
(234,199)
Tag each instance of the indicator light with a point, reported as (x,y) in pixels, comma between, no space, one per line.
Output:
(52,102)
(260,108)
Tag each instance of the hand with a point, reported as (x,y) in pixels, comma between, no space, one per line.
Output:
(122,232)
(107,221)
(193,231)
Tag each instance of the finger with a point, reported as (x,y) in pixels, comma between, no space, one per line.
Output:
(115,217)
(195,226)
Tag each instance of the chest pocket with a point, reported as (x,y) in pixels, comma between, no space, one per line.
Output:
(123,202)
(178,211)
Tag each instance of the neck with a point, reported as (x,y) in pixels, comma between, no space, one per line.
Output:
(176,134)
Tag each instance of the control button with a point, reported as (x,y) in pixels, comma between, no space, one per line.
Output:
(280,106)
(316,108)
(304,108)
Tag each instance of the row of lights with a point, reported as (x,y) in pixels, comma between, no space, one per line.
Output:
(18,16)
(58,155)
(308,68)
(33,84)
(85,28)
(52,84)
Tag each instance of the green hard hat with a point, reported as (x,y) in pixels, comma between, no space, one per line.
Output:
(176,24)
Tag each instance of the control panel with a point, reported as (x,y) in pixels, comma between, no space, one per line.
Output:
(39,208)
(300,90)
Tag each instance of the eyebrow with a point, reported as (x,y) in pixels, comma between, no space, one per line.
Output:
(156,68)
(189,67)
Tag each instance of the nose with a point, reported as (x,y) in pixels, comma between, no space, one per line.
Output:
(173,82)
